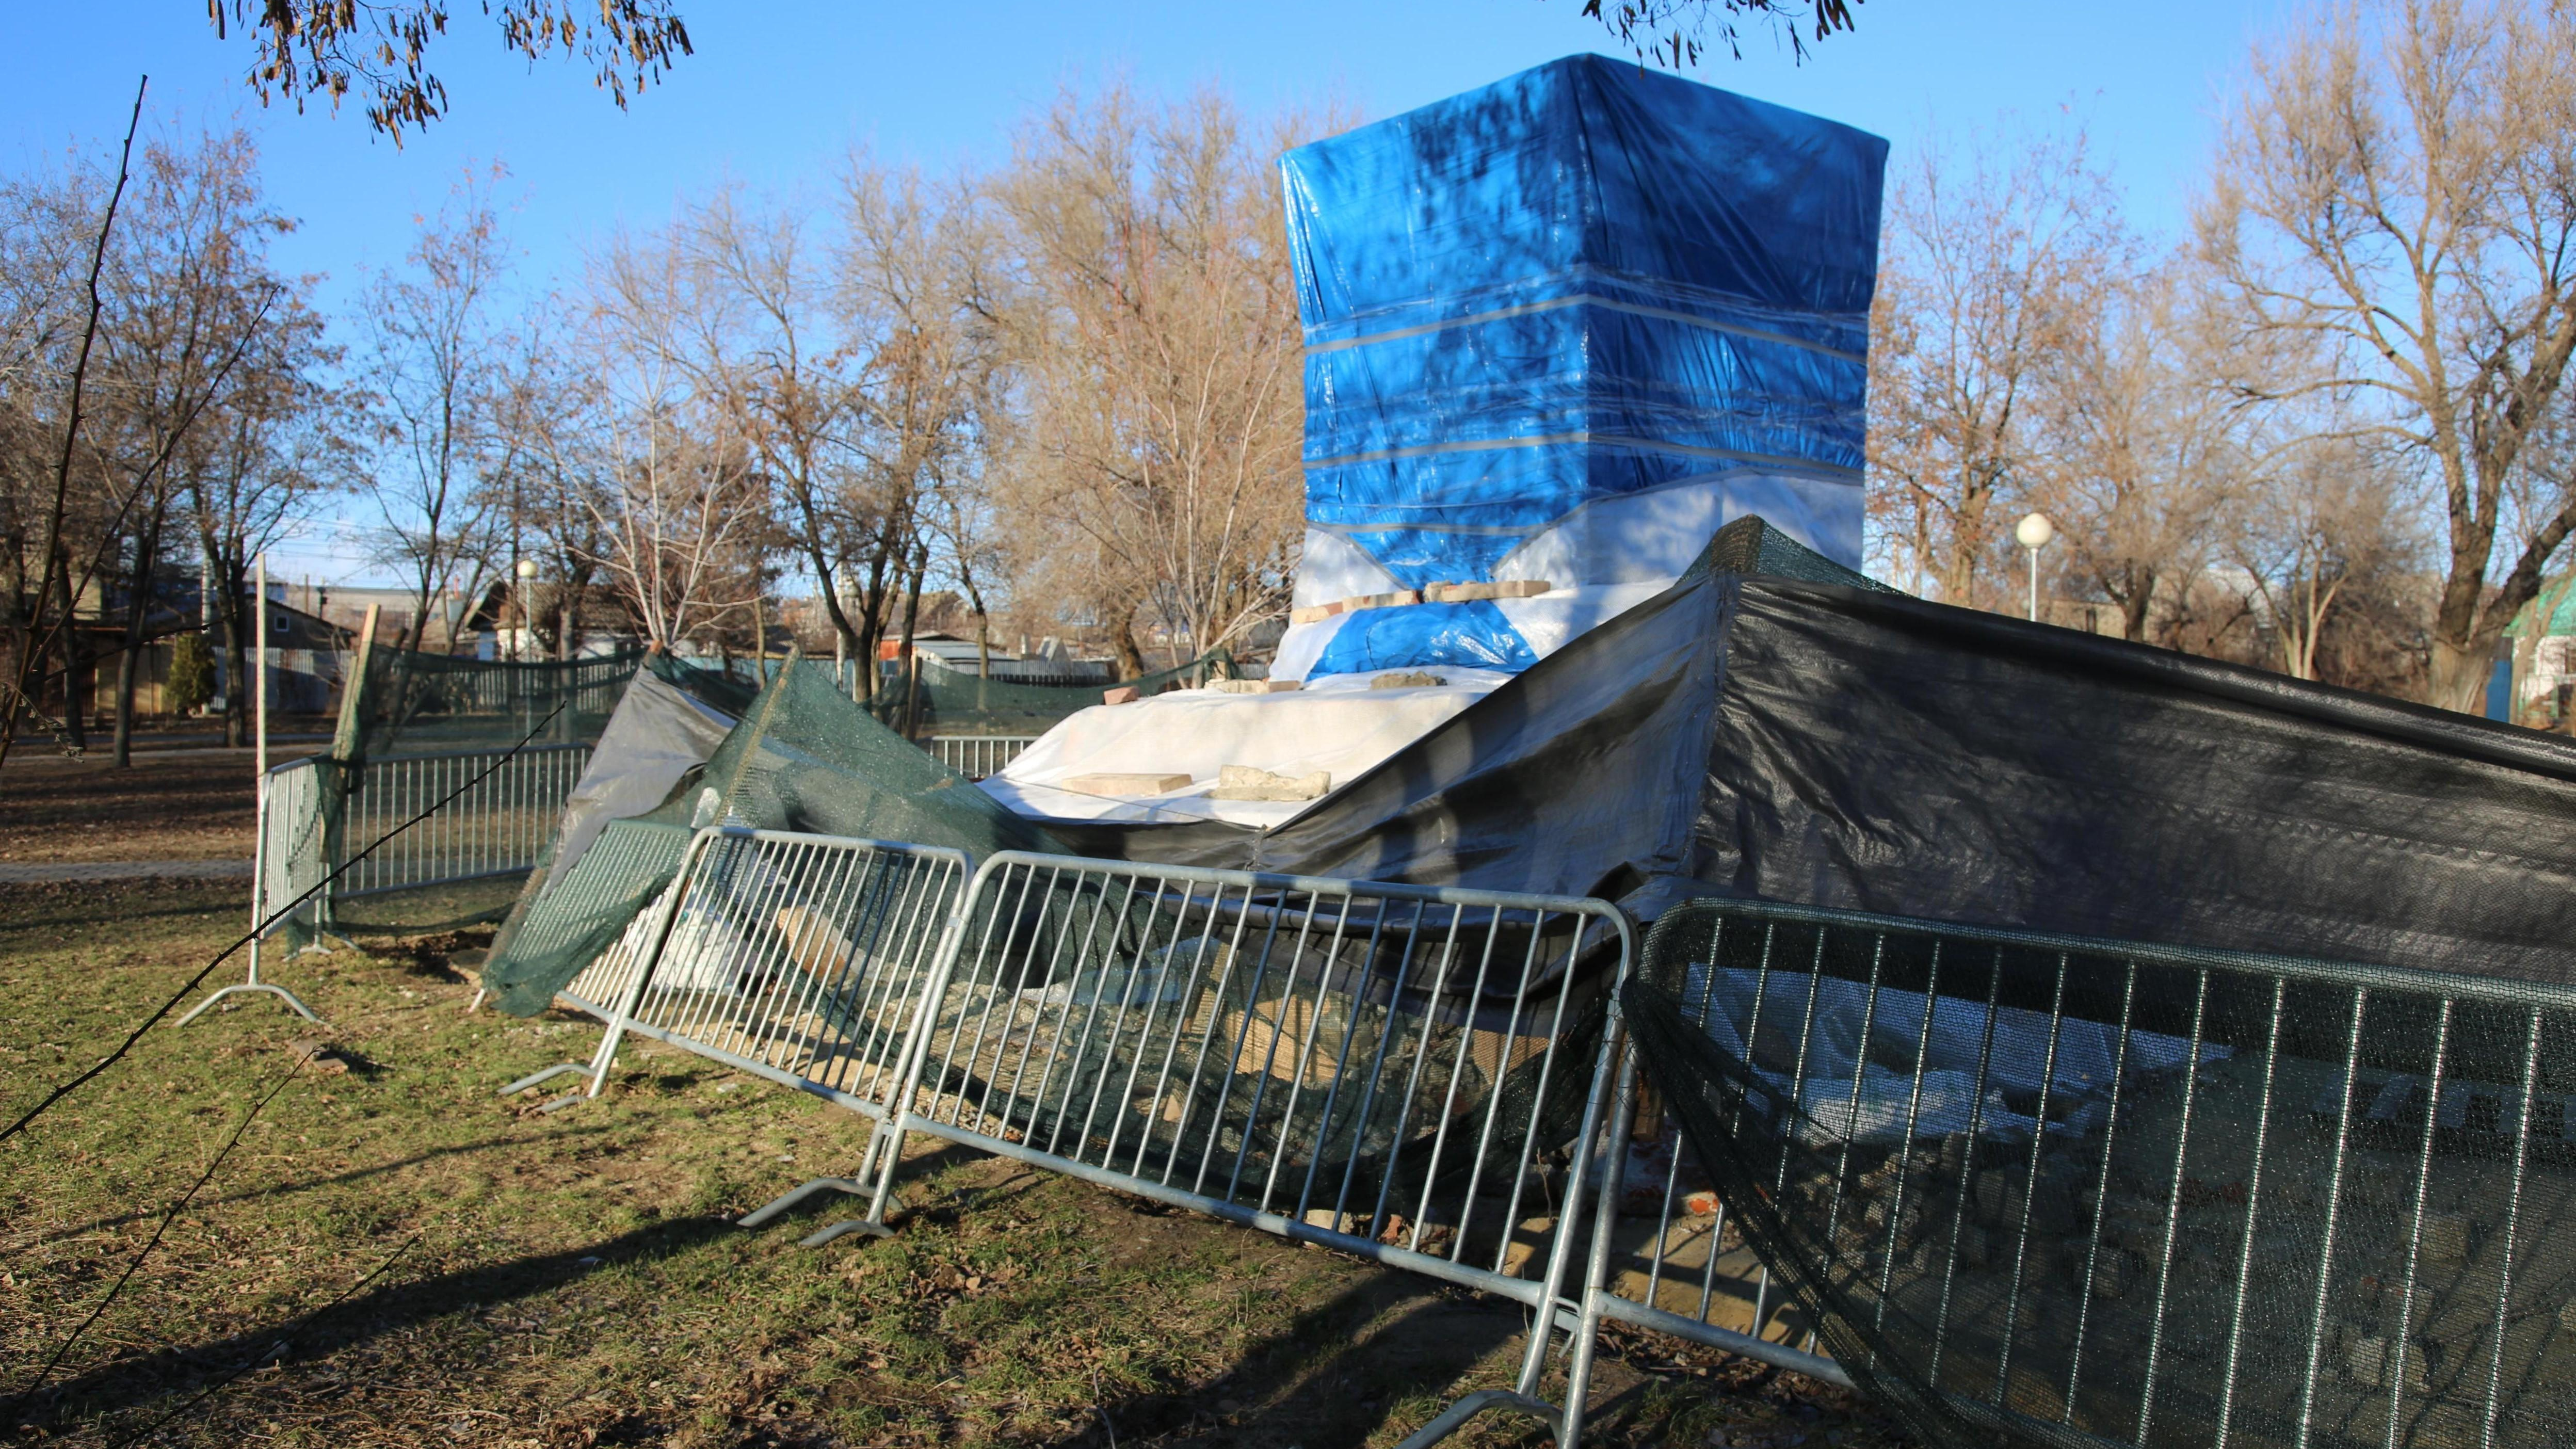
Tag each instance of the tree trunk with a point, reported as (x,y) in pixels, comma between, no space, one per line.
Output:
(908,661)
(237,682)
(2133,610)
(75,655)
(2459,674)
(1122,643)
(871,630)
(138,608)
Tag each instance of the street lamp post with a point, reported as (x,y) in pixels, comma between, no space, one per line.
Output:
(2033,532)
(527,571)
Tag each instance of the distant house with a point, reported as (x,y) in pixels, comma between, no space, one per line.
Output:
(2543,662)
(304,659)
(960,656)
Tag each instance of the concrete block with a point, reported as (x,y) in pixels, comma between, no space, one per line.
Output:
(1123,694)
(2446,1238)
(1407,681)
(1118,784)
(2369,1359)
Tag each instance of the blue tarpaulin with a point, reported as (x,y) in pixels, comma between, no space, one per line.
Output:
(1563,328)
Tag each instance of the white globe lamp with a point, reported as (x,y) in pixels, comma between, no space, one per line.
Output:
(2033,533)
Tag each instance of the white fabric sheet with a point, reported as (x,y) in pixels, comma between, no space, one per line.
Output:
(1339,725)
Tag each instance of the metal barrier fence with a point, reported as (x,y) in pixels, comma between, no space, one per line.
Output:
(799,958)
(2086,1192)
(1408,1074)
(606,906)
(285,863)
(803,959)
(288,856)
(1405,1073)
(498,826)
(978,757)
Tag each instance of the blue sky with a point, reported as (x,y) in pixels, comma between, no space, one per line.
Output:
(780,89)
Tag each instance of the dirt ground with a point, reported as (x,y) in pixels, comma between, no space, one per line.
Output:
(193,804)
(395,1255)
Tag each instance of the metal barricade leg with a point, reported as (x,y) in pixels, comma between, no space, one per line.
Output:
(1577,1315)
(250,986)
(885,1144)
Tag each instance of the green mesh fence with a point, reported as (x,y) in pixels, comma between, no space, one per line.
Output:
(804,758)
(579,918)
(504,739)
(413,703)
(2061,1191)
(944,701)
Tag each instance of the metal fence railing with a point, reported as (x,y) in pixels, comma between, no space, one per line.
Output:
(1406,1073)
(288,857)
(978,757)
(800,958)
(2081,1191)
(499,825)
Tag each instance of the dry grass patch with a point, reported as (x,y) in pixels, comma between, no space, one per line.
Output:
(575,1279)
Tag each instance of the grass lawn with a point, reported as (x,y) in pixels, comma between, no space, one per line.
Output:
(575,1279)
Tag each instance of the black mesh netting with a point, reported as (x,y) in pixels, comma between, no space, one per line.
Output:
(2066,1191)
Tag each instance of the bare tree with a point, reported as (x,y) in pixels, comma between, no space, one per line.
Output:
(40,599)
(2134,450)
(1158,339)
(430,369)
(2314,524)
(195,300)
(1994,258)
(248,469)
(2395,211)
(766,344)
(552,409)
(921,292)
(675,492)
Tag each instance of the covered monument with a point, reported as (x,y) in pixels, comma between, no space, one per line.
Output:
(1559,330)
(1602,329)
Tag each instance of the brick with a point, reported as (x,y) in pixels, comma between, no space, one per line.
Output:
(1123,694)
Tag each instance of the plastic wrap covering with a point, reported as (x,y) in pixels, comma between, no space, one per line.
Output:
(1564,328)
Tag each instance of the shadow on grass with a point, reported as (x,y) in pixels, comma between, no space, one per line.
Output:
(288,1189)
(1297,1388)
(149,1380)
